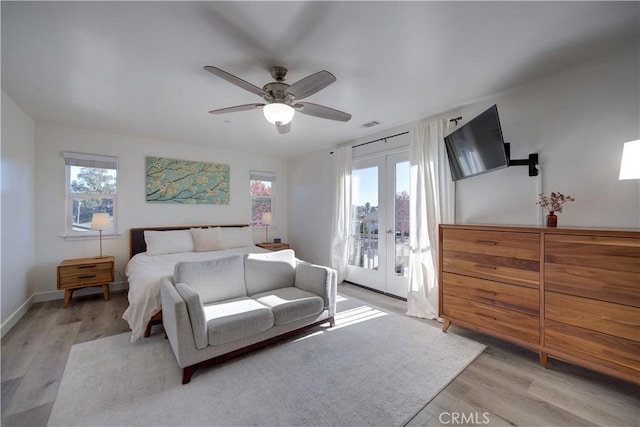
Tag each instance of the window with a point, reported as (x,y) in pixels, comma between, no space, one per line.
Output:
(91,183)
(261,188)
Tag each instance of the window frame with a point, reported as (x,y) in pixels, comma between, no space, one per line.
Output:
(266,177)
(72,159)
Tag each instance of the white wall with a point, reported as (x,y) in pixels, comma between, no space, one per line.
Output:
(17,211)
(576,120)
(133,210)
(310,201)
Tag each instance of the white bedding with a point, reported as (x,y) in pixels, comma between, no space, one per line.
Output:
(144,272)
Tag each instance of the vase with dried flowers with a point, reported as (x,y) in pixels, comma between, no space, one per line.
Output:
(553,203)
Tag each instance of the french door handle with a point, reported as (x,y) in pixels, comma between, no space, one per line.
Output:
(389,231)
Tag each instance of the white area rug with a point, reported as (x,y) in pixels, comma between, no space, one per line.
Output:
(373,369)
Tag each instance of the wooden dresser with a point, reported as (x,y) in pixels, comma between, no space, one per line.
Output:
(571,294)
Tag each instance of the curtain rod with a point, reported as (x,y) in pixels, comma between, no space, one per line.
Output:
(455,120)
(380,139)
(376,140)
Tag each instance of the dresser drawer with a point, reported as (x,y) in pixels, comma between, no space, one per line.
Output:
(494,243)
(608,318)
(620,354)
(507,322)
(86,274)
(606,285)
(511,297)
(609,253)
(507,270)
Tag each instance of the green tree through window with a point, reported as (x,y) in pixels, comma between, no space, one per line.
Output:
(91,188)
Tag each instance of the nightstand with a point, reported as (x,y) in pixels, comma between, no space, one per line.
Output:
(85,272)
(273,246)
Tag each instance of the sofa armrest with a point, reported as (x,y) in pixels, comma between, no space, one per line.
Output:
(196,314)
(176,322)
(319,280)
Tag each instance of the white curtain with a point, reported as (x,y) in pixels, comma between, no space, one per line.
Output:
(432,202)
(341,217)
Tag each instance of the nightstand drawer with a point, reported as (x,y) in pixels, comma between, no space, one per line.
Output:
(81,272)
(85,272)
(81,278)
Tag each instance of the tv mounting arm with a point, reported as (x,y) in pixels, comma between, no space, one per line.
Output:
(532,161)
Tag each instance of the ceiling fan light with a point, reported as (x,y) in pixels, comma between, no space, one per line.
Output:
(278,112)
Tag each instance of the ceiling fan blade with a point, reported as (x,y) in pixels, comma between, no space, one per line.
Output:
(321,111)
(235,80)
(311,84)
(284,128)
(243,107)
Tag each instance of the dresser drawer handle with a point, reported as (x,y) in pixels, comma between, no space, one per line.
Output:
(87,276)
(495,319)
(486,291)
(487,242)
(87,266)
(486,267)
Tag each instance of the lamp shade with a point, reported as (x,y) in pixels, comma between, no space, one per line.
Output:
(630,164)
(100,221)
(278,112)
(266,217)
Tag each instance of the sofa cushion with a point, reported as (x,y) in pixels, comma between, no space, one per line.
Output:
(215,280)
(290,304)
(235,319)
(269,270)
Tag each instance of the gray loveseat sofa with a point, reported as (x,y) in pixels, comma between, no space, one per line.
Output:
(213,310)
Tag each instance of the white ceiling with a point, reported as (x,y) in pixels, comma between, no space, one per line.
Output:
(136,67)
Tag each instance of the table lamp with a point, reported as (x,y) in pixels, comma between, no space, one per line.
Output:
(100,221)
(266,220)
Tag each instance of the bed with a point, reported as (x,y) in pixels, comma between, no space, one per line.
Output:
(154,252)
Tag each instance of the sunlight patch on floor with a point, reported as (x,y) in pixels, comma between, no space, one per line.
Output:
(340,298)
(356,315)
(348,318)
(315,334)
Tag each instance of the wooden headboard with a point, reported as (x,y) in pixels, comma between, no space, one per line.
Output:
(136,235)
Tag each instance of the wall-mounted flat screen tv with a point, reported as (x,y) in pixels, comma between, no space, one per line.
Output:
(477,147)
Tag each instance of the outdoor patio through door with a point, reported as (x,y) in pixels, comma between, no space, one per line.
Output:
(379,235)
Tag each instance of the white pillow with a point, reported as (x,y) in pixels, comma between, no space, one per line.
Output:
(236,237)
(168,242)
(206,239)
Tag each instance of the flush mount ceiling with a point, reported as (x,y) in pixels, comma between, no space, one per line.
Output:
(282,99)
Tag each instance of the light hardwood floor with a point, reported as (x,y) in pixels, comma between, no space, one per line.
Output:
(504,386)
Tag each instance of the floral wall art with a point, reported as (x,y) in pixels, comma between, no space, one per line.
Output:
(187,182)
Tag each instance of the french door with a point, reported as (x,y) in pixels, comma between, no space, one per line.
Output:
(379,235)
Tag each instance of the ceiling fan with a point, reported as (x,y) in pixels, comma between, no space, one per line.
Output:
(282,99)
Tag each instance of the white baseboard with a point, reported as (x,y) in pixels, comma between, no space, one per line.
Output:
(16,316)
(51,296)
